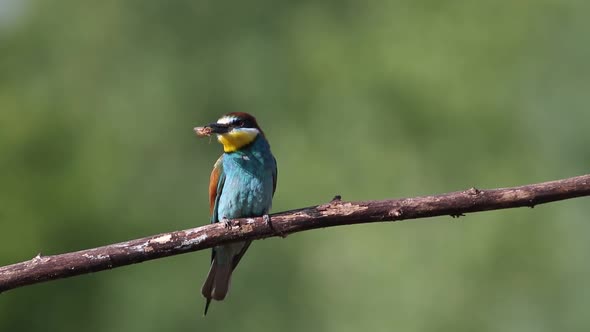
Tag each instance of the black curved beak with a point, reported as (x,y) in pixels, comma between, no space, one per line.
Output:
(218,128)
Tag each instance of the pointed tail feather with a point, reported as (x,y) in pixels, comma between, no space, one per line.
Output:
(207,306)
(207,289)
(217,283)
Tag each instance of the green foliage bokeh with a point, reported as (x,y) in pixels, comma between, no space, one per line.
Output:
(368,100)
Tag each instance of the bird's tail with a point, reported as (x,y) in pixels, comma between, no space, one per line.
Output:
(217,283)
(207,306)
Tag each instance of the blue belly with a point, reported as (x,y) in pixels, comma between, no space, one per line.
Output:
(248,187)
(245,195)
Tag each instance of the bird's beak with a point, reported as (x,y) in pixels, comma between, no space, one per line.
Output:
(218,128)
(213,128)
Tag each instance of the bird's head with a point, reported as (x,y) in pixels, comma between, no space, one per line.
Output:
(233,130)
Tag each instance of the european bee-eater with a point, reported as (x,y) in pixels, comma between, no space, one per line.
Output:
(242,184)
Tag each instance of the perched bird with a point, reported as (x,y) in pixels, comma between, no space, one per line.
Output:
(242,184)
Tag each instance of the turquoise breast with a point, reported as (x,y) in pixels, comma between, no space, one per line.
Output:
(248,186)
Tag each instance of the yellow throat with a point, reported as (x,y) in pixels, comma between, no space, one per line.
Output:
(237,138)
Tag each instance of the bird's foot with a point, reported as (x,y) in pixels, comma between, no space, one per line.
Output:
(226,223)
(267,221)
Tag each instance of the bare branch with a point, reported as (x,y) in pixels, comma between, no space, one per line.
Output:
(335,213)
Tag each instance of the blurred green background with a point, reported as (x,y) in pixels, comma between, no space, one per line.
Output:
(369,100)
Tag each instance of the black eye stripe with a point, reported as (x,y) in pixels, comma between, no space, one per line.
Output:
(240,123)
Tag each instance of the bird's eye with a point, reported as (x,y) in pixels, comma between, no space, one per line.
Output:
(239,123)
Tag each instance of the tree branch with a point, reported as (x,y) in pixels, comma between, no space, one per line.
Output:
(336,213)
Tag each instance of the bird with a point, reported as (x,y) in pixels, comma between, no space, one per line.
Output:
(242,185)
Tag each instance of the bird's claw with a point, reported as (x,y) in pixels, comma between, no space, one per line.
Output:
(267,221)
(226,223)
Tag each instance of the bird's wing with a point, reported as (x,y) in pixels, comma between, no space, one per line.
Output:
(215,186)
(216,182)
